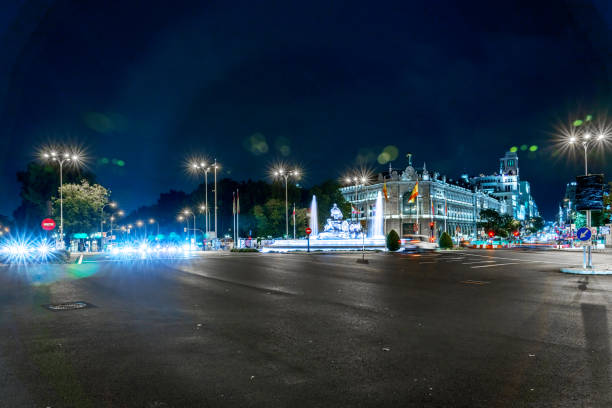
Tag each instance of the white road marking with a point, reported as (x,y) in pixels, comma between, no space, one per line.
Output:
(491,265)
(80,259)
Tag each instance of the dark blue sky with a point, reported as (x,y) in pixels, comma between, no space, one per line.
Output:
(320,84)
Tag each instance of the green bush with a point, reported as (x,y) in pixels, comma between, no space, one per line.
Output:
(393,241)
(445,241)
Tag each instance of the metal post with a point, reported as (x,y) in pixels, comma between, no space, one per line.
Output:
(216,237)
(61,163)
(286,210)
(588,263)
(206,200)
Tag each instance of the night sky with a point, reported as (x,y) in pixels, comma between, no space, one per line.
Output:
(320,83)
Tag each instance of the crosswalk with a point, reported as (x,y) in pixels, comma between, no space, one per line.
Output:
(471,260)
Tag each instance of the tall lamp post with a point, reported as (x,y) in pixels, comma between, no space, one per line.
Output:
(588,141)
(186,213)
(112,204)
(153,221)
(66,157)
(139,224)
(203,167)
(360,179)
(285,174)
(215,167)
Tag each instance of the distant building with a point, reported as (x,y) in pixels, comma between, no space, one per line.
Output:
(507,186)
(567,208)
(442,205)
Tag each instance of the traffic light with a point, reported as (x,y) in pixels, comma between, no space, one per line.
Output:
(516,233)
(431,225)
(491,233)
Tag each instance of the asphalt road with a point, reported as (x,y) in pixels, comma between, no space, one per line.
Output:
(456,329)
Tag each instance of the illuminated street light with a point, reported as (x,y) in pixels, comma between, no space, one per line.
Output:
(588,143)
(200,166)
(70,157)
(112,204)
(284,174)
(187,212)
(140,224)
(153,221)
(359,179)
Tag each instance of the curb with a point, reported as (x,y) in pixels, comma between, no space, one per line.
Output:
(579,271)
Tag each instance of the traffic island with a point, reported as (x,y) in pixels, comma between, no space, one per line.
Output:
(585,271)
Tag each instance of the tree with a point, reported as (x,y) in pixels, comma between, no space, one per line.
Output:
(445,241)
(536,224)
(82,205)
(38,183)
(501,225)
(393,241)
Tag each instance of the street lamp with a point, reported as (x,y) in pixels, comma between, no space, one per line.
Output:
(360,178)
(153,221)
(112,204)
(203,167)
(139,224)
(61,158)
(284,174)
(589,142)
(187,212)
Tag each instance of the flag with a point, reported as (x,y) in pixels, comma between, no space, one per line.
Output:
(414,194)
(238,201)
(293,208)
(385,191)
(432,207)
(233,203)
(353,209)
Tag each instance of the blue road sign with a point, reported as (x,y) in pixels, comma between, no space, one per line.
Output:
(584,234)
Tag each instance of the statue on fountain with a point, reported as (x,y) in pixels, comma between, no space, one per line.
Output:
(337,228)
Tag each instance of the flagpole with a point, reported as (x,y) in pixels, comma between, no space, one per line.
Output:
(238,215)
(417,215)
(445,213)
(293,220)
(234,215)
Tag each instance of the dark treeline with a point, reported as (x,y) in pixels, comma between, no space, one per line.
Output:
(262,207)
(262,203)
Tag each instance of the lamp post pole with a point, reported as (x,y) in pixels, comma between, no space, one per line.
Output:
(61,159)
(215,168)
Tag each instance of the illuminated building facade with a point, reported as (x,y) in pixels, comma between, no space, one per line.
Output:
(442,205)
(507,187)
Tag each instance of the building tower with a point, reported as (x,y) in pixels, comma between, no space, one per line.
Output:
(508,164)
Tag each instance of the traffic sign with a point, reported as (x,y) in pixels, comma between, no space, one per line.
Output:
(308,231)
(584,234)
(47,224)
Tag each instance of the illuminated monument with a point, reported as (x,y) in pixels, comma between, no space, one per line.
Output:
(338,233)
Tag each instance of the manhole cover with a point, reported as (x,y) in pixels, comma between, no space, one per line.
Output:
(58,307)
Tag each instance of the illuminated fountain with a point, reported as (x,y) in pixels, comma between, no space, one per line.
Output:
(338,234)
(314,218)
(377,222)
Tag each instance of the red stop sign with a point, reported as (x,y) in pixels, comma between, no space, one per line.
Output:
(47,224)
(308,231)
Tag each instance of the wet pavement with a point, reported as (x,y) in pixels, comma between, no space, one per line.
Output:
(471,328)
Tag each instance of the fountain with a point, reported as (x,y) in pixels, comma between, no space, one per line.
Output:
(338,234)
(377,222)
(314,218)
(337,228)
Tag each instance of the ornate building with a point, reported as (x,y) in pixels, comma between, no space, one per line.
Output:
(507,186)
(441,205)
